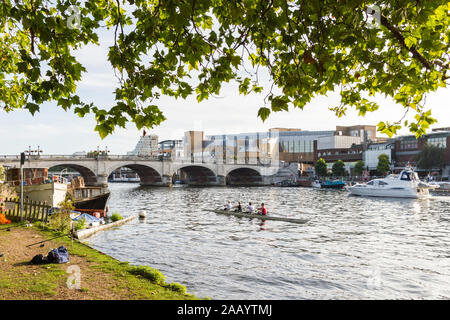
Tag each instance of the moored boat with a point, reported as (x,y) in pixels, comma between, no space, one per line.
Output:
(257,216)
(405,185)
(38,186)
(334,184)
(88,198)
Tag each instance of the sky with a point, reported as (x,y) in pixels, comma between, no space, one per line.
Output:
(56,131)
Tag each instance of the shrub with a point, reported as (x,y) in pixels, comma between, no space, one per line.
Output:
(116,217)
(149,273)
(61,221)
(177,287)
(80,224)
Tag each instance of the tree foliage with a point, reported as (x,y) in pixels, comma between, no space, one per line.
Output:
(192,47)
(2,173)
(338,168)
(383,164)
(359,167)
(321,168)
(431,157)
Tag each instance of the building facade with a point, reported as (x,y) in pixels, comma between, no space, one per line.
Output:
(408,147)
(145,146)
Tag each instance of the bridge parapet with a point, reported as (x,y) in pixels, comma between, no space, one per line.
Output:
(152,170)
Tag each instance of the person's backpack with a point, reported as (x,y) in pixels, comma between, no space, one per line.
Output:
(38,259)
(59,255)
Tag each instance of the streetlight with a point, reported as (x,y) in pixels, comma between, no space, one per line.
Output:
(22,162)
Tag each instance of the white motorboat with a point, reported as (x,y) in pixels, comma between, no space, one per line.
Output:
(405,185)
(316,184)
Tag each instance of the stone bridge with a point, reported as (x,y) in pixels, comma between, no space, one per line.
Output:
(152,171)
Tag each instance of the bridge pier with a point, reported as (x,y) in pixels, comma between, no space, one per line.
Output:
(102,181)
(166,180)
(221,180)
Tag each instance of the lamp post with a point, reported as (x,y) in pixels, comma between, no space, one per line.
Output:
(22,162)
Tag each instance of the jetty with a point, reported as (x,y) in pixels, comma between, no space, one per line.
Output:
(85,233)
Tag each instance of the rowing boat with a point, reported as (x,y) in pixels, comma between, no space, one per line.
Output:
(257,216)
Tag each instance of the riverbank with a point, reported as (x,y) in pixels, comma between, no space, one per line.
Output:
(102,277)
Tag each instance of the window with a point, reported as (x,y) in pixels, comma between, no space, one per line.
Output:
(370,183)
(297,146)
(382,183)
(438,142)
(408,144)
(405,176)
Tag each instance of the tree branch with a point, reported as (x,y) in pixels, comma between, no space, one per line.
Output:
(397,34)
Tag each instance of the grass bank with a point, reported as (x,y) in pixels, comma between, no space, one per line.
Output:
(102,277)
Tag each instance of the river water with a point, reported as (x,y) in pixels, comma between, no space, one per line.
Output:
(350,248)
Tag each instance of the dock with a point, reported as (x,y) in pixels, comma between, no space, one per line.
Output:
(86,233)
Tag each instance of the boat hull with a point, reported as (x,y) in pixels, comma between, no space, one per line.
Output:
(50,193)
(332,186)
(319,185)
(258,216)
(389,193)
(95,203)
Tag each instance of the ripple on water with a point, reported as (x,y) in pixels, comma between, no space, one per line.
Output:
(351,248)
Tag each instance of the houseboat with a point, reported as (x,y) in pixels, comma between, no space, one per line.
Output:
(37,186)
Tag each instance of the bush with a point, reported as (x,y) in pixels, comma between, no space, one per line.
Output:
(116,217)
(60,221)
(177,287)
(80,224)
(149,273)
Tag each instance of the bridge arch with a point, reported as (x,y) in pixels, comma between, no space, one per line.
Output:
(147,174)
(90,178)
(244,176)
(195,174)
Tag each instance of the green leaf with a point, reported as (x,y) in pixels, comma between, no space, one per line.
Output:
(263,113)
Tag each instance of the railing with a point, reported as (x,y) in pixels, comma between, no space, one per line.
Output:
(4,158)
(32,210)
(13,158)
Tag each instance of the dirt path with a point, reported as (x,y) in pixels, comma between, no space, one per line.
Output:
(21,280)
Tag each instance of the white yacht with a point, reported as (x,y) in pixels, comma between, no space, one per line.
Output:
(405,185)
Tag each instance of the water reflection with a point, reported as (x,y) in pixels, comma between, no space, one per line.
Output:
(352,247)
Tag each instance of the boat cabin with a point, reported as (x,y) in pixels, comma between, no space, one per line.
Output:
(409,175)
(31,176)
(87,192)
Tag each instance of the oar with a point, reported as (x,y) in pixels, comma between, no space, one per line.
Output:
(8,228)
(33,244)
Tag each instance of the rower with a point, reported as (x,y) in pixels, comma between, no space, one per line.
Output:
(262,210)
(238,207)
(251,208)
(228,206)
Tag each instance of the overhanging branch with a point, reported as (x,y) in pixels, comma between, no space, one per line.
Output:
(397,34)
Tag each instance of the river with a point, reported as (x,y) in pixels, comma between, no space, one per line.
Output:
(350,248)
